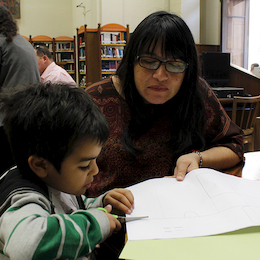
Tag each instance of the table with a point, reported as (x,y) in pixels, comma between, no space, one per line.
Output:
(239,245)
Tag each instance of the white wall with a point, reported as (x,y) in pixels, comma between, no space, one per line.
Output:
(62,17)
(114,11)
(210,22)
(130,12)
(190,12)
(175,6)
(88,13)
(46,17)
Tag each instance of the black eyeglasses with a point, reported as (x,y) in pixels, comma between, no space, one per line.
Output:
(154,64)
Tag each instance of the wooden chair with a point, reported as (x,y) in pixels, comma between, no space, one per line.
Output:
(244,113)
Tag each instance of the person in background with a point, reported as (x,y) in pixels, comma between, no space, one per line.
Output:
(164,118)
(18,65)
(253,66)
(56,133)
(49,70)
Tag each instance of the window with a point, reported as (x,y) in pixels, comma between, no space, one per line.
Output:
(235,30)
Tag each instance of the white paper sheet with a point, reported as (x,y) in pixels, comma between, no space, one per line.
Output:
(207,202)
(251,169)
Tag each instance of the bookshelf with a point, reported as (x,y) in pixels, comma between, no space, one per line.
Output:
(64,54)
(113,39)
(42,40)
(62,49)
(97,57)
(88,56)
(82,51)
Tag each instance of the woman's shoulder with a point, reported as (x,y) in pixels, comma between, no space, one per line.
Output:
(206,91)
(101,88)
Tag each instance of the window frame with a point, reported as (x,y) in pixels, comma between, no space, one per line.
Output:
(224,30)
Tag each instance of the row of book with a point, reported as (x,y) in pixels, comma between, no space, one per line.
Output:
(110,66)
(69,67)
(82,68)
(83,82)
(81,41)
(82,54)
(113,38)
(65,46)
(64,57)
(112,52)
(45,44)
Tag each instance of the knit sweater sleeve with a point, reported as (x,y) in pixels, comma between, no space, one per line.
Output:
(28,230)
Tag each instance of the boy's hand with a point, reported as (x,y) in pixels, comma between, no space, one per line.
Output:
(115,225)
(121,199)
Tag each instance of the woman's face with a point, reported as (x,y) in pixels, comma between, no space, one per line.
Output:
(157,86)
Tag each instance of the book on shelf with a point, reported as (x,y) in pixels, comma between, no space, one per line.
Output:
(82,54)
(67,46)
(83,82)
(64,57)
(82,68)
(113,38)
(110,66)
(69,67)
(45,44)
(81,41)
(112,52)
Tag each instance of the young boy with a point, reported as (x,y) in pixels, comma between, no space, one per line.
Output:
(56,133)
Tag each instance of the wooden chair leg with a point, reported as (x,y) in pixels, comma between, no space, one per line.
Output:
(251,147)
(256,134)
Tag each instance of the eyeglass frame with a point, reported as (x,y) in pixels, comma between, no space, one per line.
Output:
(160,63)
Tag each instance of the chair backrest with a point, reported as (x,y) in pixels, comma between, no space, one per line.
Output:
(244,112)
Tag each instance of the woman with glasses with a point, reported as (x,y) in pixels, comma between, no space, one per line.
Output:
(164,119)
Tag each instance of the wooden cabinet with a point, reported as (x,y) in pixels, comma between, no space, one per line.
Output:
(100,51)
(64,54)
(88,56)
(81,57)
(113,38)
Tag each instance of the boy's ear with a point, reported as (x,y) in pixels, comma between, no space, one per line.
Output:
(38,165)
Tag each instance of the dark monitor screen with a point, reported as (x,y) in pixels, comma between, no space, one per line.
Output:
(216,67)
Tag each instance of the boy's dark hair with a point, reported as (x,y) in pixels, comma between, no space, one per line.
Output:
(8,25)
(186,109)
(48,121)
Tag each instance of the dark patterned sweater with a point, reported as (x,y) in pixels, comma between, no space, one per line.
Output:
(157,160)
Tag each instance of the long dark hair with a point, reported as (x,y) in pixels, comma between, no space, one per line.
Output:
(186,109)
(8,25)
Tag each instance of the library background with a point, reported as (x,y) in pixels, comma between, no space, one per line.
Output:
(91,55)
(77,32)
(88,37)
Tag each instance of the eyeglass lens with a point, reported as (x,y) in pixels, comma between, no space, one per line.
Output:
(154,64)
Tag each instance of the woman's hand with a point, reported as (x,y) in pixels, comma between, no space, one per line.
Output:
(185,164)
(216,158)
